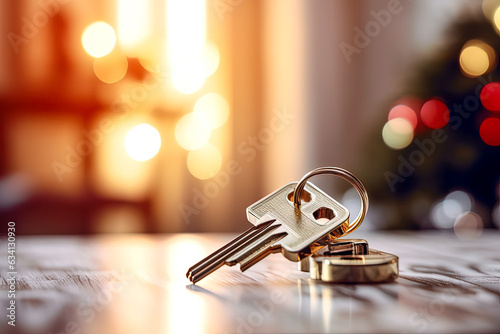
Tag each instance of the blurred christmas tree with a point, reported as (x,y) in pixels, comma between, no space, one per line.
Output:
(439,155)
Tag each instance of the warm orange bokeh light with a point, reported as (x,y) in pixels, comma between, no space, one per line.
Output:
(191,133)
(134,25)
(98,39)
(477,58)
(211,59)
(212,110)
(111,68)
(142,142)
(204,162)
(186,38)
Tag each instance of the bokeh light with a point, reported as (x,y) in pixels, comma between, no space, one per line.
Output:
(403,111)
(489,7)
(189,73)
(211,59)
(457,199)
(142,142)
(490,131)
(188,77)
(434,114)
(490,96)
(212,110)
(397,133)
(496,19)
(444,213)
(153,60)
(98,39)
(477,58)
(186,39)
(204,162)
(191,133)
(134,25)
(111,68)
(440,218)
(468,226)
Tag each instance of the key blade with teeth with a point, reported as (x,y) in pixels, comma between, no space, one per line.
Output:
(279,227)
(239,248)
(260,249)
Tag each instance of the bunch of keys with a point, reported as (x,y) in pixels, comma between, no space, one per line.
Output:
(303,223)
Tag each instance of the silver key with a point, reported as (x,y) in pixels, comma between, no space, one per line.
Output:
(321,219)
(280,227)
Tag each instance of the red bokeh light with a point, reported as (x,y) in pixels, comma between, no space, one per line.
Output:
(490,96)
(490,131)
(434,114)
(402,111)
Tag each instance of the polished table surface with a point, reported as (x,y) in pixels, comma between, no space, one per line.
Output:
(136,284)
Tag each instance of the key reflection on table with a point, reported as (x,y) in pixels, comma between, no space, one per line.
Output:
(137,284)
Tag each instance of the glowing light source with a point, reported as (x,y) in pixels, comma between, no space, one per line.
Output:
(188,78)
(205,162)
(397,133)
(98,39)
(212,110)
(403,111)
(211,59)
(151,60)
(489,7)
(490,131)
(142,142)
(459,199)
(468,226)
(496,19)
(111,68)
(476,58)
(134,27)
(440,217)
(190,133)
(434,114)
(446,212)
(490,96)
(186,30)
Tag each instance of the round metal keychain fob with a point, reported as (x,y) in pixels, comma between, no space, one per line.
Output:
(347,260)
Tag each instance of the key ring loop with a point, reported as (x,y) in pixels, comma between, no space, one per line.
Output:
(346,175)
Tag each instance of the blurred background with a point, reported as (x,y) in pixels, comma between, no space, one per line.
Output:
(175,115)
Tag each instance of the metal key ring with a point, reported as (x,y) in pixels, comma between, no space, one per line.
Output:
(346,175)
